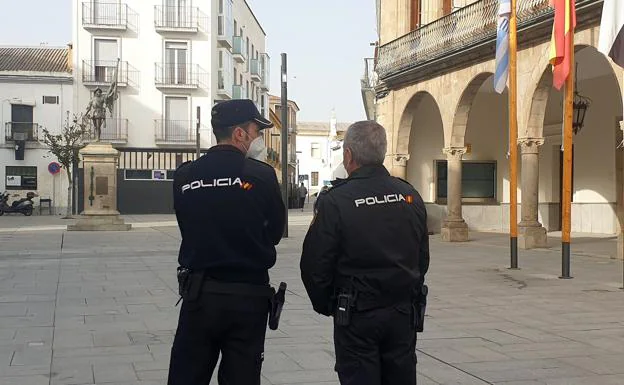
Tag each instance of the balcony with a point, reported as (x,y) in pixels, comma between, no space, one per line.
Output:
(239,51)
(15,131)
(265,67)
(101,72)
(113,131)
(105,16)
(224,85)
(255,70)
(225,24)
(179,19)
(369,82)
(466,36)
(239,92)
(175,132)
(180,76)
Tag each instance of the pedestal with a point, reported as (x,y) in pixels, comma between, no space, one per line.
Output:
(454,231)
(532,237)
(100,190)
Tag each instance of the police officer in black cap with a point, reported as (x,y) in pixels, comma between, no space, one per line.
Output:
(231,216)
(364,262)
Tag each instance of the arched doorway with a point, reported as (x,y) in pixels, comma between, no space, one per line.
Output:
(421,136)
(481,126)
(596,176)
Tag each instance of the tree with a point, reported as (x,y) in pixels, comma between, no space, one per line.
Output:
(66,146)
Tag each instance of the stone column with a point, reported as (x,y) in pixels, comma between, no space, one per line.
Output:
(454,228)
(399,165)
(531,233)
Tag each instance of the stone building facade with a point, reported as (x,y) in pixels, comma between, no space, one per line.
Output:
(447,127)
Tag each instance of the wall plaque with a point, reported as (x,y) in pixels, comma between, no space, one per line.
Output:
(101,185)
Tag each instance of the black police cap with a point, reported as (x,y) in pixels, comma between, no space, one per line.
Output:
(231,113)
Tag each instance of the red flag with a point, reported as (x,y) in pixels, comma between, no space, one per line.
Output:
(563,29)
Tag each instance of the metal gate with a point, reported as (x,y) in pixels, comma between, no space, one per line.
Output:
(144,180)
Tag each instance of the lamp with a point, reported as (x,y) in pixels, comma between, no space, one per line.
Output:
(580,106)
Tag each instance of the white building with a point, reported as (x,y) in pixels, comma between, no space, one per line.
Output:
(35,93)
(319,153)
(175,56)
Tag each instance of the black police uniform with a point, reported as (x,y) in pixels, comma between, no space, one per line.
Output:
(231,216)
(369,240)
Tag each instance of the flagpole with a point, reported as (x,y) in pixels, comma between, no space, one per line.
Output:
(513,137)
(566,211)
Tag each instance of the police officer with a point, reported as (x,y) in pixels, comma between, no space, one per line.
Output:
(364,261)
(231,216)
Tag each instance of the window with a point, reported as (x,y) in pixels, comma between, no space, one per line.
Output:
(50,100)
(176,62)
(105,54)
(22,125)
(315,178)
(315,151)
(478,181)
(21,178)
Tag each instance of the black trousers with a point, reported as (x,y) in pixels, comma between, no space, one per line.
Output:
(378,347)
(232,325)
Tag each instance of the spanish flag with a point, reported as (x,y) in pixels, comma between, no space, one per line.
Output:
(563,29)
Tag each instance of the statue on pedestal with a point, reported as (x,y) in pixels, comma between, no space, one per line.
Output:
(96,110)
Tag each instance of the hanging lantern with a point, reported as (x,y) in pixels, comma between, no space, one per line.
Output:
(580,106)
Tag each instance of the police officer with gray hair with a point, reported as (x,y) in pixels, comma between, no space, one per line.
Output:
(364,262)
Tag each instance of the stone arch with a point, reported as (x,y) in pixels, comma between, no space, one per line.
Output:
(407,119)
(542,89)
(462,112)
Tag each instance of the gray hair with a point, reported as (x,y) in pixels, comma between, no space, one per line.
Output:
(367,142)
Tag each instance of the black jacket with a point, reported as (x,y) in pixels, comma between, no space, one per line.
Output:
(370,235)
(230,214)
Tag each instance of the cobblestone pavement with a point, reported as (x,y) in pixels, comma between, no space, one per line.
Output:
(98,308)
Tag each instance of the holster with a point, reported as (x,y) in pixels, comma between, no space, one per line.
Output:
(189,284)
(345,303)
(420,307)
(277,304)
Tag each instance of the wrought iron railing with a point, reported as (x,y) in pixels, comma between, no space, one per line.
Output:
(369,79)
(179,18)
(113,130)
(102,72)
(180,75)
(112,15)
(175,131)
(466,26)
(28,131)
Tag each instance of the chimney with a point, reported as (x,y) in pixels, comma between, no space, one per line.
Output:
(70,57)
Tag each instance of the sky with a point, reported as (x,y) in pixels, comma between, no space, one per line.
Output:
(326,42)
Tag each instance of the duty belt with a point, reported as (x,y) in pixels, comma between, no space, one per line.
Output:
(236,288)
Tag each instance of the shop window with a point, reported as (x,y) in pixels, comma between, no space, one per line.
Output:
(21,177)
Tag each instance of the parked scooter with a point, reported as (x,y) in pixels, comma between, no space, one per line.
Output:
(23,205)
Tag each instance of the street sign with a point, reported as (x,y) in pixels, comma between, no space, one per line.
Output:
(303,177)
(54,168)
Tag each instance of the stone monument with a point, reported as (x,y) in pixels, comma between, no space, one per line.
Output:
(100,170)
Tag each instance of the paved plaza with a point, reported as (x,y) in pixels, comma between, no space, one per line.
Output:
(98,308)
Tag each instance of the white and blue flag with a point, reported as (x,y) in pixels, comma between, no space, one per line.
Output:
(502,46)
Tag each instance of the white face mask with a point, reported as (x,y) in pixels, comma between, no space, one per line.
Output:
(257,149)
